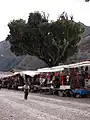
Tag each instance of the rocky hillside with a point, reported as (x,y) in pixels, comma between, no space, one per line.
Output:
(84,45)
(87,30)
(8,60)
(84,48)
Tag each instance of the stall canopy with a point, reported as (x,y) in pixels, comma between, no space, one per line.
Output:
(30,73)
(43,69)
(86,63)
(59,67)
(50,70)
(7,74)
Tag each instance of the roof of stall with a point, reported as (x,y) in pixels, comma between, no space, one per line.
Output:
(80,64)
(85,63)
(43,69)
(30,73)
(7,74)
(50,70)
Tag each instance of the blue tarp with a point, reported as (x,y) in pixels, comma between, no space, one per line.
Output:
(80,91)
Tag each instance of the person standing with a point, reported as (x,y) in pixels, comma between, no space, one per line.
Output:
(26,91)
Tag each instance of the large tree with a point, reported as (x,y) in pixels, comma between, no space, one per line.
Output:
(52,42)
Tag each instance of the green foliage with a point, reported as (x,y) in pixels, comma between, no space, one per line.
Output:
(52,42)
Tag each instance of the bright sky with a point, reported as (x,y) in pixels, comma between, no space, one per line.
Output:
(14,9)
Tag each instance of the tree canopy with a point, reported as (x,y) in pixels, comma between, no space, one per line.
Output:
(51,41)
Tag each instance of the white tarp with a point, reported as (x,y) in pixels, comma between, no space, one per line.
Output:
(43,69)
(30,73)
(59,67)
(80,65)
(50,70)
(7,74)
(85,63)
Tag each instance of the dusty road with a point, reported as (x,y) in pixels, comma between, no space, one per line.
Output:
(42,107)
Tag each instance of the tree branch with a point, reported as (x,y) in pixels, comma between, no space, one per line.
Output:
(64,49)
(51,56)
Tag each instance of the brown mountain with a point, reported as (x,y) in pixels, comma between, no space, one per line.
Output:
(84,45)
(84,48)
(9,61)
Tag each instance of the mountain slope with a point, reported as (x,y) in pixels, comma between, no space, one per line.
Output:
(8,60)
(84,48)
(87,30)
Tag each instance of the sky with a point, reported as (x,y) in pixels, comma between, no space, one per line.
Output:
(15,9)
